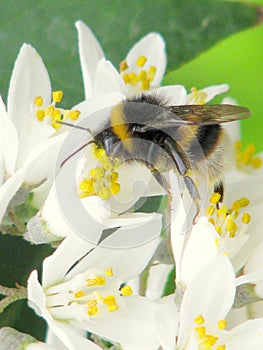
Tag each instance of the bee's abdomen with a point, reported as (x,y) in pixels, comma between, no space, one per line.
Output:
(207,138)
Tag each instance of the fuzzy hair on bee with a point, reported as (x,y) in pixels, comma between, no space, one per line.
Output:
(187,139)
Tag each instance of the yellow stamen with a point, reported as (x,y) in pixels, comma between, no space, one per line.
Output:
(141,60)
(108,271)
(221,324)
(210,210)
(97,173)
(98,152)
(93,310)
(123,66)
(212,221)
(247,158)
(145,84)
(57,95)
(40,115)
(201,331)
(231,226)
(246,218)
(219,230)
(236,205)
(216,242)
(73,114)
(221,347)
(92,302)
(104,193)
(214,199)
(208,341)
(115,187)
(79,294)
(199,319)
(49,111)
(38,101)
(110,301)
(256,162)
(244,202)
(126,290)
(151,73)
(100,281)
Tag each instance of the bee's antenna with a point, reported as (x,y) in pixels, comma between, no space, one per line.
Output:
(75,152)
(75,126)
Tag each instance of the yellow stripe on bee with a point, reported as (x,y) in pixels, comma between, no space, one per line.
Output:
(119,126)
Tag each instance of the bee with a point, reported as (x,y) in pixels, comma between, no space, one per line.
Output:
(186,138)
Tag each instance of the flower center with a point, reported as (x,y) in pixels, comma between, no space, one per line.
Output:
(51,112)
(90,292)
(227,220)
(141,76)
(208,341)
(102,180)
(246,159)
(197,97)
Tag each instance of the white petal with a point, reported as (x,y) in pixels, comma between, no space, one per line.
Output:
(201,248)
(9,189)
(42,346)
(132,324)
(8,140)
(167,319)
(42,160)
(128,260)
(249,335)
(214,90)
(175,95)
(107,80)
(152,46)
(29,80)
(210,294)
(90,53)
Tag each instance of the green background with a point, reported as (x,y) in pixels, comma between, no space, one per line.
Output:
(198,55)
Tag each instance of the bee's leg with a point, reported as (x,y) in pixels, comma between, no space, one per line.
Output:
(161,180)
(182,166)
(219,188)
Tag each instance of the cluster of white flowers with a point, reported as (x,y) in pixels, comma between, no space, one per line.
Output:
(116,295)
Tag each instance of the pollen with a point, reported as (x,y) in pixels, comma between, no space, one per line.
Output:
(111,303)
(197,96)
(40,115)
(246,218)
(38,101)
(199,319)
(79,294)
(102,180)
(123,66)
(221,347)
(141,60)
(57,95)
(140,75)
(93,310)
(221,324)
(210,210)
(231,226)
(215,198)
(108,271)
(201,331)
(126,290)
(246,159)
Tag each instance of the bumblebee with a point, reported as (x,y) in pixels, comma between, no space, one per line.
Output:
(186,138)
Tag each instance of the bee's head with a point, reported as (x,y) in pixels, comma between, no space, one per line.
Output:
(107,140)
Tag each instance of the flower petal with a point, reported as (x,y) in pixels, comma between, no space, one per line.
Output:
(210,294)
(152,46)
(9,189)
(8,141)
(133,324)
(107,79)
(201,248)
(249,335)
(90,53)
(175,95)
(66,333)
(29,80)
(214,90)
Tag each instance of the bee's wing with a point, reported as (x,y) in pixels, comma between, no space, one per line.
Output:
(200,115)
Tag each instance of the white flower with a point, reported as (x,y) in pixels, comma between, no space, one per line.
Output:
(205,305)
(82,289)
(29,142)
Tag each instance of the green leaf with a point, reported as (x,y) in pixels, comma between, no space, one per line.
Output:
(238,62)
(188,26)
(169,287)
(17,259)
